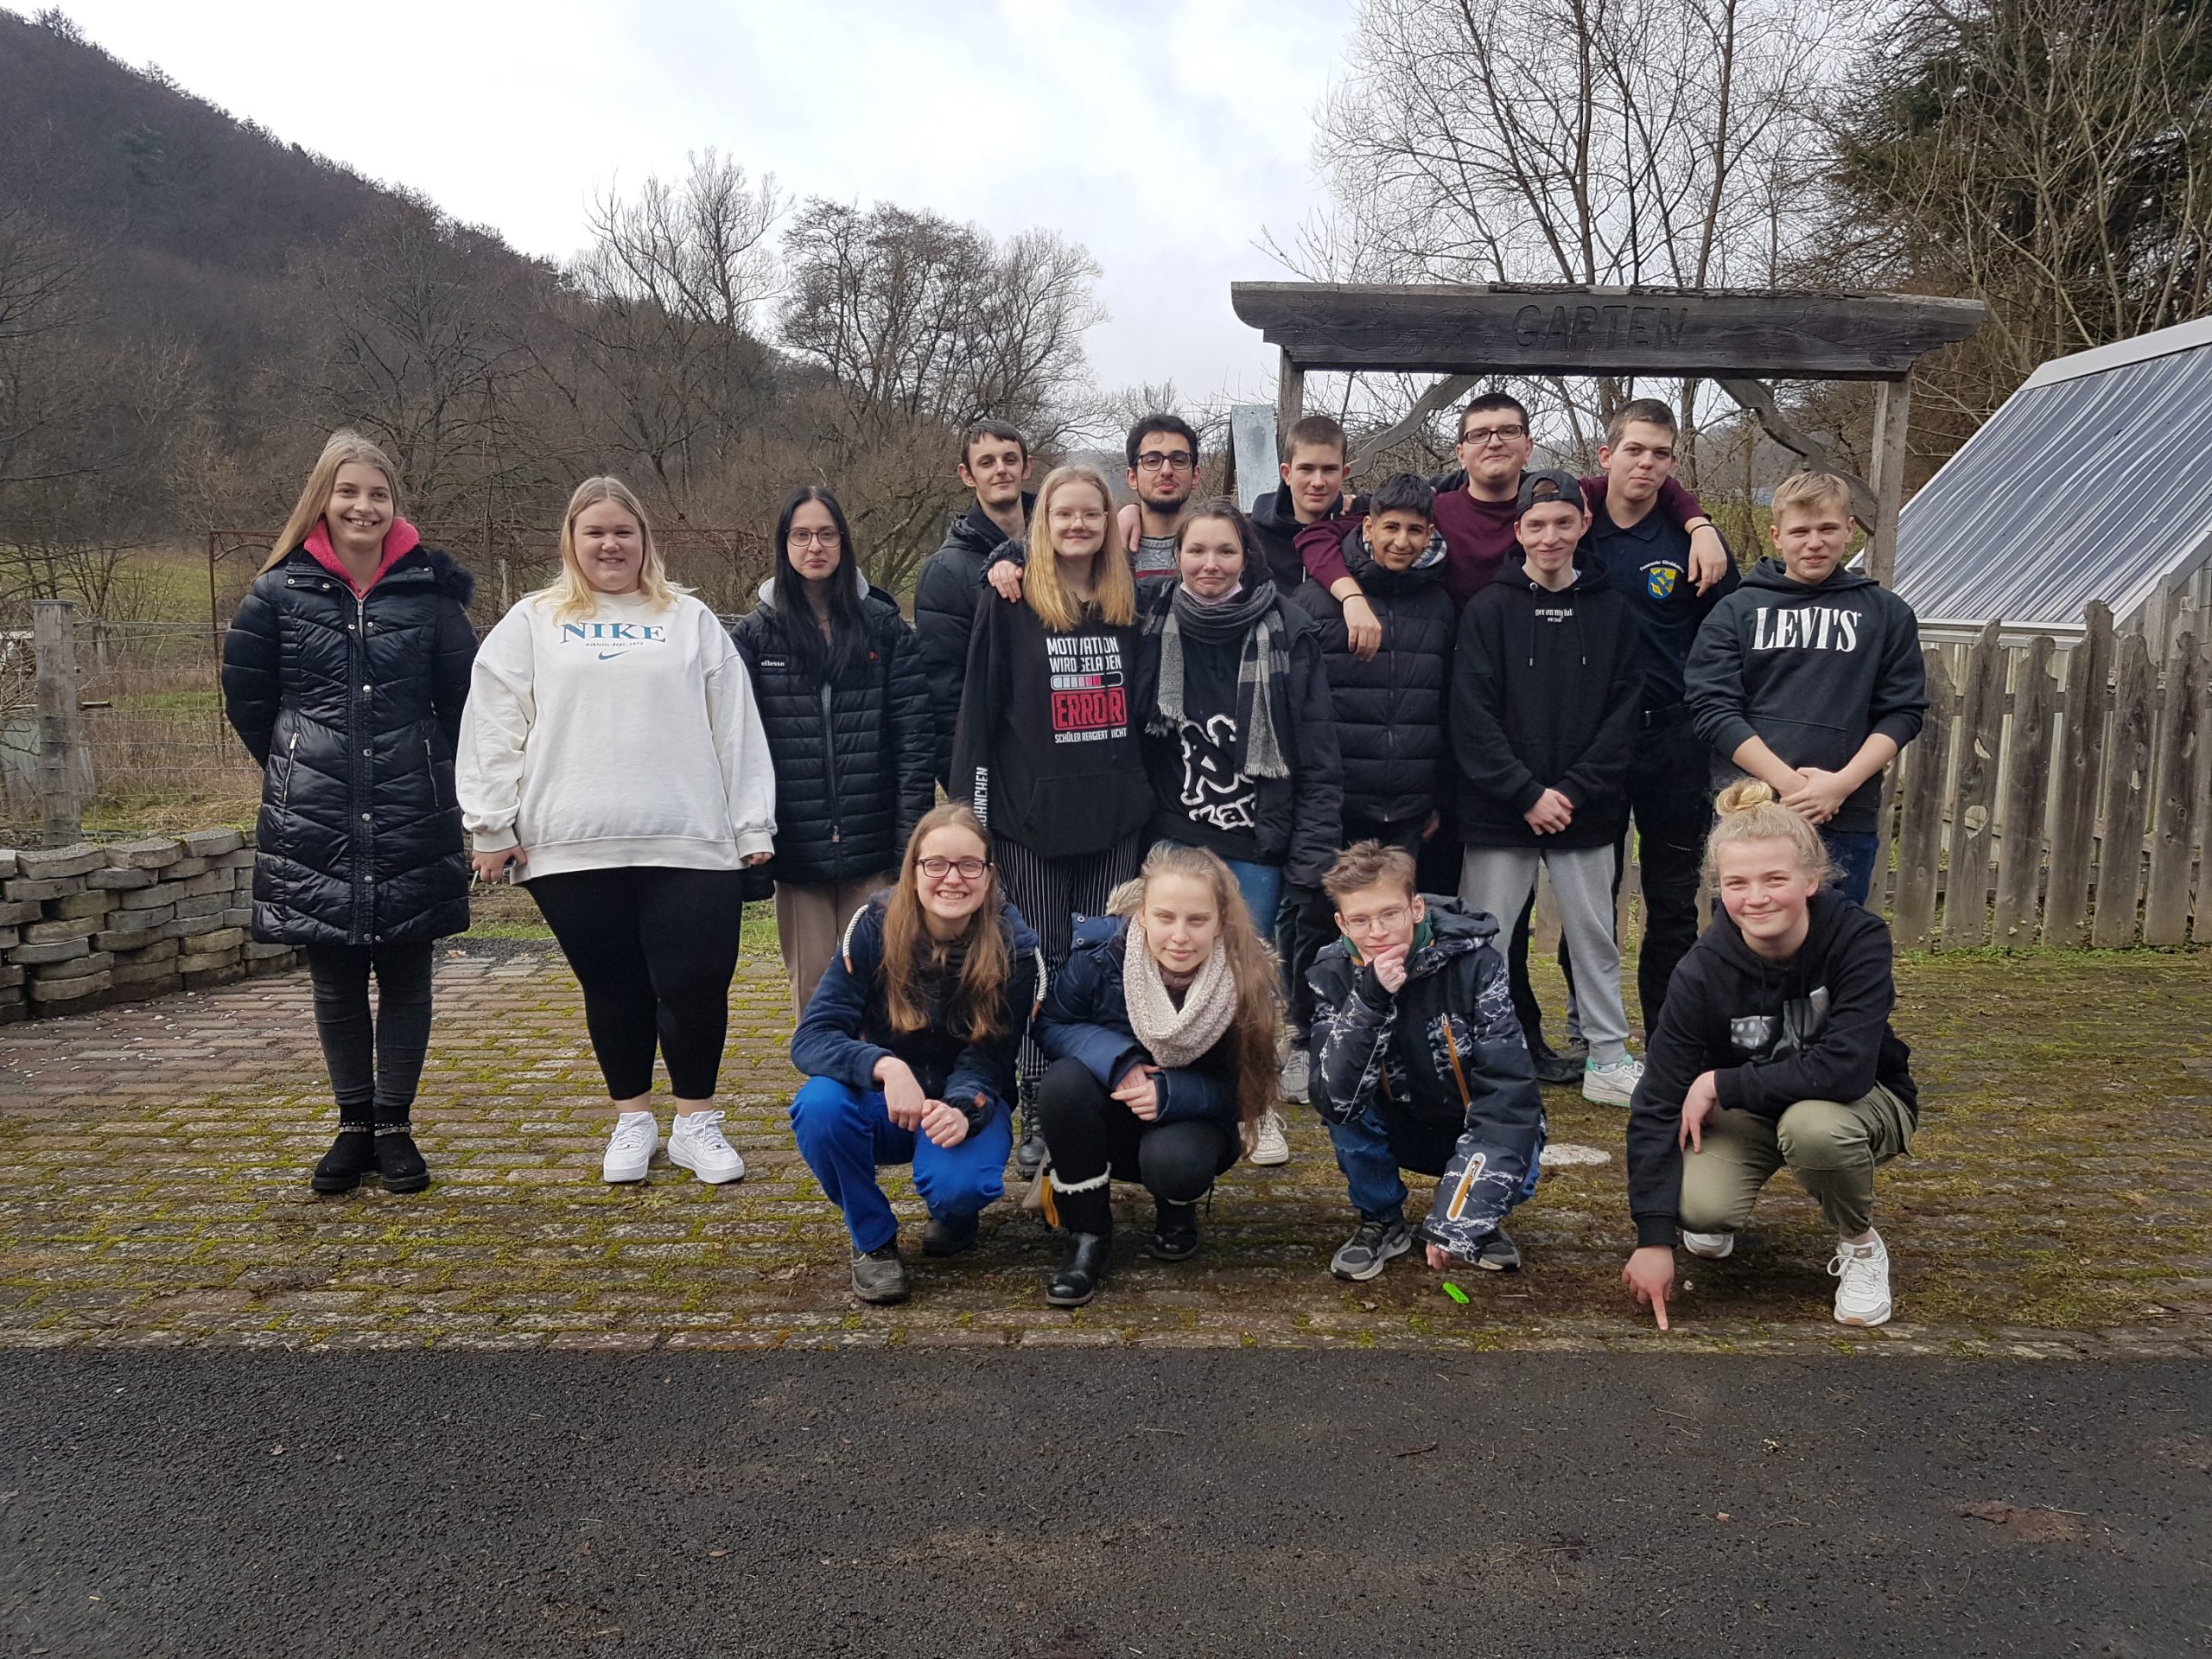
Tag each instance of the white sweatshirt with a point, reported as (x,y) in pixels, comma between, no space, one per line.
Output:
(629,737)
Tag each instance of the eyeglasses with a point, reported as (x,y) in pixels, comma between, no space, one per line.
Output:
(1382,921)
(1077,516)
(823,539)
(1479,436)
(971,870)
(1176,461)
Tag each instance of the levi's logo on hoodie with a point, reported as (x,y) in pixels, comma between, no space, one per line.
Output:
(1804,627)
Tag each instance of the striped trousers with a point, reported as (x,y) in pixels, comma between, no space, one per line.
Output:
(1050,893)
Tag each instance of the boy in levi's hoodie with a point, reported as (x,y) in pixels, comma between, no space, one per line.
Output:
(1809,677)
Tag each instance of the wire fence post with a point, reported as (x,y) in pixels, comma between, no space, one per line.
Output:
(63,767)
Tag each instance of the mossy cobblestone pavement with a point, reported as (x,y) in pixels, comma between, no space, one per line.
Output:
(154,1161)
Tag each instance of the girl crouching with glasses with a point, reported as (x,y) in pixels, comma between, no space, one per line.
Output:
(909,1049)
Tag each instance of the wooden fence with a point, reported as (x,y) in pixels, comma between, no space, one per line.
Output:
(2057,796)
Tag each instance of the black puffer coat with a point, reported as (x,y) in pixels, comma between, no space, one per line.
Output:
(853,759)
(944,616)
(1390,709)
(352,707)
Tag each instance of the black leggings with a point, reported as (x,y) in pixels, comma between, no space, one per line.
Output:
(654,949)
(1091,1134)
(374,1065)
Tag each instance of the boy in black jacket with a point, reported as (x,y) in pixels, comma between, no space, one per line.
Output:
(995,463)
(1418,1064)
(1809,676)
(1773,1048)
(1545,693)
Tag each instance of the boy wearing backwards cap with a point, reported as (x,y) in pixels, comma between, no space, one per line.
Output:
(1546,689)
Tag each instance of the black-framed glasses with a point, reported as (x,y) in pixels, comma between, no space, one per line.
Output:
(971,870)
(1175,461)
(1480,435)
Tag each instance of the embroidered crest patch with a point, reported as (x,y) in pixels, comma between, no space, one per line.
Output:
(1660,579)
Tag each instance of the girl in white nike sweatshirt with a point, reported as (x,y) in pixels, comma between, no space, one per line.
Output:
(612,757)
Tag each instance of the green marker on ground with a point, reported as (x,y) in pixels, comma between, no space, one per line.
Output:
(1455,1292)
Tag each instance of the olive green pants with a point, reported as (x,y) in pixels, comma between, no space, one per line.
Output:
(1832,1147)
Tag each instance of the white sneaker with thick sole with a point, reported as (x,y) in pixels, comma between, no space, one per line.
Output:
(1612,1084)
(630,1149)
(1713,1247)
(695,1142)
(1269,1147)
(1862,1273)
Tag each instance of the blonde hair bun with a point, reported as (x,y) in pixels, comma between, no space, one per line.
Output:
(1744,795)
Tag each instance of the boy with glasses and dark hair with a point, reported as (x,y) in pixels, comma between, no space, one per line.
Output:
(1418,1064)
(1163,456)
(995,463)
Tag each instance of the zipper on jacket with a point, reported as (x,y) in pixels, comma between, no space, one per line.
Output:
(830,765)
(291,762)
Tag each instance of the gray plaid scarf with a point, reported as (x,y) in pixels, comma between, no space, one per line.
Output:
(1262,672)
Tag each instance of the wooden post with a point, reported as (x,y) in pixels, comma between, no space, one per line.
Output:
(2027,794)
(1981,720)
(2166,906)
(60,737)
(2074,825)
(1920,833)
(1290,397)
(1892,409)
(2127,798)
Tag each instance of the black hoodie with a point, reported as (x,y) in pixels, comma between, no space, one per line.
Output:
(1815,1027)
(1048,750)
(1546,689)
(1812,669)
(944,614)
(1273,519)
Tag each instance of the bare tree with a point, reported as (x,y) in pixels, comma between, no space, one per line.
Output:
(662,356)
(1597,142)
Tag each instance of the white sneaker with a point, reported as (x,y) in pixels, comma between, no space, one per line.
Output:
(695,1142)
(1862,1292)
(630,1149)
(1713,1247)
(1297,1076)
(1269,1146)
(1612,1084)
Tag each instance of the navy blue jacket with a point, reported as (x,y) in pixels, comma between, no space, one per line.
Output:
(353,709)
(1086,1018)
(847,1025)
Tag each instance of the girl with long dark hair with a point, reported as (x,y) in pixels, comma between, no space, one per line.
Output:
(845,703)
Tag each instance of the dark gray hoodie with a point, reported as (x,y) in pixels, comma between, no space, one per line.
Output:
(1813,669)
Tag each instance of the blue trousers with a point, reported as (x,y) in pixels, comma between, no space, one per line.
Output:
(1371,1150)
(1853,849)
(844,1135)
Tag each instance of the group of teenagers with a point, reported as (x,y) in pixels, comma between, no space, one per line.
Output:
(1237,808)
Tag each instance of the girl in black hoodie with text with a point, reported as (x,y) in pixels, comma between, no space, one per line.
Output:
(1774,1047)
(1047,749)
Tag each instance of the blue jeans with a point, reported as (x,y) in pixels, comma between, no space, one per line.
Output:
(1854,851)
(1372,1151)
(844,1135)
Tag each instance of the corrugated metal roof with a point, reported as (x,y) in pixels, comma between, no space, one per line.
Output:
(2090,484)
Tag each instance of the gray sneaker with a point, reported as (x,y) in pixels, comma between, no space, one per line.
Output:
(1297,1079)
(1369,1249)
(879,1276)
(1498,1254)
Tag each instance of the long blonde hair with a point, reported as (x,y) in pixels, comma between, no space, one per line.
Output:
(570,594)
(1114,588)
(343,445)
(1252,969)
(981,998)
(1750,810)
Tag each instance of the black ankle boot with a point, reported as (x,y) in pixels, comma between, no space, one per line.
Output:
(1082,1271)
(398,1159)
(351,1156)
(1174,1231)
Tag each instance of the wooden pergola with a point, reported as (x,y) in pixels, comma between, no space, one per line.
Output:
(1740,338)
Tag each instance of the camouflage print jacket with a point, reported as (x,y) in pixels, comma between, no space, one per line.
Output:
(1444,1050)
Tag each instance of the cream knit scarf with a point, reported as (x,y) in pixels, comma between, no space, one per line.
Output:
(1175,1037)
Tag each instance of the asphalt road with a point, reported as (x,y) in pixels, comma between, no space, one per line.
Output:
(1081,1505)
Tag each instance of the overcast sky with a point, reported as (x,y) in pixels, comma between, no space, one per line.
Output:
(1164,145)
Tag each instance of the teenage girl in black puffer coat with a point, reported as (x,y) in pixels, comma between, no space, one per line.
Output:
(344,673)
(845,702)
